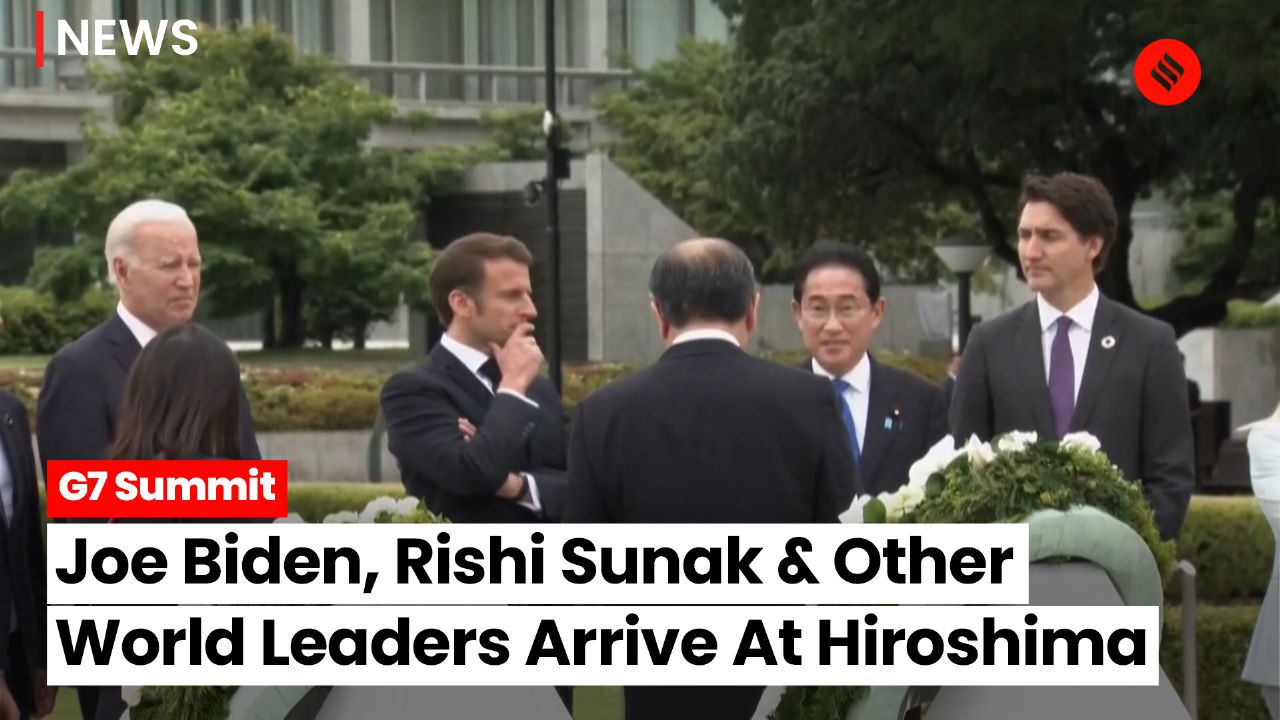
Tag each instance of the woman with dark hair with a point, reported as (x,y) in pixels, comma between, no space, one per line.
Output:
(182,400)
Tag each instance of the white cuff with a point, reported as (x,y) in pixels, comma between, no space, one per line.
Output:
(534,502)
(522,397)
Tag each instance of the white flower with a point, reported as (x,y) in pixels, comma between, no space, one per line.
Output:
(292,517)
(1016,441)
(376,507)
(938,458)
(901,502)
(132,695)
(345,516)
(854,512)
(1082,440)
(406,506)
(979,453)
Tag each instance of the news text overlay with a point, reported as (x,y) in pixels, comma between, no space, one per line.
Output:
(202,489)
(601,645)
(491,564)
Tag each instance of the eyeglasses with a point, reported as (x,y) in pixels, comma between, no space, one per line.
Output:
(844,312)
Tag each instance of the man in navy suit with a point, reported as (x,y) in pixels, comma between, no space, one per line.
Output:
(892,417)
(1073,360)
(153,259)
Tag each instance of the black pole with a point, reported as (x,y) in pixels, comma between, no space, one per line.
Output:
(552,195)
(966,316)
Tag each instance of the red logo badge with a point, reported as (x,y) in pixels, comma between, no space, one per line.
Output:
(1167,72)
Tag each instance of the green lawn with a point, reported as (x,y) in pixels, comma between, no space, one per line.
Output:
(590,703)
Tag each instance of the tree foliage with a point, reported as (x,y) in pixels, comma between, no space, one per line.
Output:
(666,123)
(867,120)
(266,148)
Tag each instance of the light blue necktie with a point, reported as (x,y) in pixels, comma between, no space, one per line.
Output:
(846,414)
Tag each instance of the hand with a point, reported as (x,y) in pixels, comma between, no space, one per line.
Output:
(519,359)
(46,696)
(8,708)
(511,488)
(466,428)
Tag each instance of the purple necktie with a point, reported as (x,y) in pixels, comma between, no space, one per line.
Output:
(1062,377)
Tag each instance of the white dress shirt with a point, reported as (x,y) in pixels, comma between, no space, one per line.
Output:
(1081,332)
(140,330)
(7,481)
(858,394)
(705,334)
(473,359)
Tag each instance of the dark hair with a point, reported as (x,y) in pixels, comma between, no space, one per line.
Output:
(705,279)
(829,254)
(460,266)
(182,400)
(1083,200)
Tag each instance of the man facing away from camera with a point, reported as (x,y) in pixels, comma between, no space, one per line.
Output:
(708,434)
(1073,360)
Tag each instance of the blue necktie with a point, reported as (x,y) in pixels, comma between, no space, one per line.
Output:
(1062,377)
(846,414)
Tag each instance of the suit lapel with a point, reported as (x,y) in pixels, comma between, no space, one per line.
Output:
(125,346)
(881,405)
(1029,352)
(449,364)
(1097,363)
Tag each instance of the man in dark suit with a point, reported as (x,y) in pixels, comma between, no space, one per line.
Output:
(892,417)
(23,691)
(478,434)
(708,434)
(1074,360)
(153,259)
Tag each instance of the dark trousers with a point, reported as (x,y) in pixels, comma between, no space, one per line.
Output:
(691,703)
(101,703)
(19,678)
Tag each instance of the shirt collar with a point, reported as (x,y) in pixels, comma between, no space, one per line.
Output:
(469,356)
(1082,314)
(859,378)
(140,330)
(705,334)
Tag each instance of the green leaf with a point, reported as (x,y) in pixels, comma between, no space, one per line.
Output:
(874,511)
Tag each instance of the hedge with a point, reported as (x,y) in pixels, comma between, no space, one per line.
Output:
(35,324)
(1222,639)
(301,399)
(1230,544)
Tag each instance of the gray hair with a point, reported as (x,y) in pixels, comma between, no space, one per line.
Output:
(123,228)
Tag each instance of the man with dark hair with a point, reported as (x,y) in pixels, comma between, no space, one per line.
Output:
(892,417)
(1073,360)
(478,434)
(708,434)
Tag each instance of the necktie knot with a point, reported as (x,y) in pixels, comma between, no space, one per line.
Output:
(492,373)
(1064,324)
(841,385)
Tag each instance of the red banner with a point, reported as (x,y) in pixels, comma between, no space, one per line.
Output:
(174,489)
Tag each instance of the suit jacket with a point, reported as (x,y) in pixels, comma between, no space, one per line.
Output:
(82,391)
(22,570)
(459,478)
(906,415)
(1133,397)
(710,434)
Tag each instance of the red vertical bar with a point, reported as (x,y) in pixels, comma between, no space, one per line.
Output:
(40,38)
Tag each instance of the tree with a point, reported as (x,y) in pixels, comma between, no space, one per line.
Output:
(666,124)
(265,147)
(862,119)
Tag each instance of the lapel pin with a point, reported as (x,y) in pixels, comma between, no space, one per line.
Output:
(1108,342)
(888,423)
(8,420)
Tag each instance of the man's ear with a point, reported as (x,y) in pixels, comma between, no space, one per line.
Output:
(753,313)
(664,328)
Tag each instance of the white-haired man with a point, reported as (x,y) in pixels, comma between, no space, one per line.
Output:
(153,258)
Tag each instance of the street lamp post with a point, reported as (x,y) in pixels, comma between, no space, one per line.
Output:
(963,255)
(551,127)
